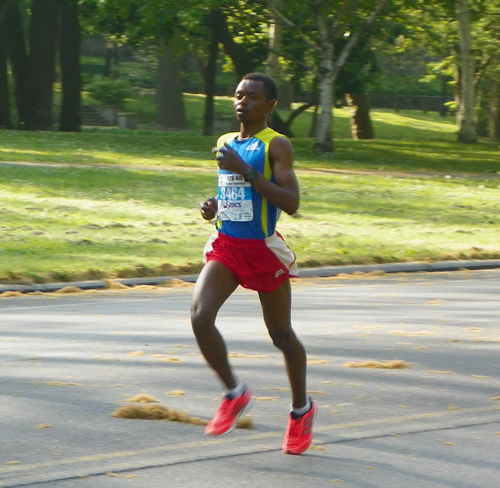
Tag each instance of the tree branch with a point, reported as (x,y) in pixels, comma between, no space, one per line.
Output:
(482,71)
(287,22)
(298,111)
(338,26)
(344,54)
(283,55)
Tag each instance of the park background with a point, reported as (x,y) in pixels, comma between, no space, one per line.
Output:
(109,109)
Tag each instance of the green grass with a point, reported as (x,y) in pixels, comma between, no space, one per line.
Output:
(118,203)
(405,141)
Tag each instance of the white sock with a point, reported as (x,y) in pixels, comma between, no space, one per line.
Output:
(301,411)
(236,392)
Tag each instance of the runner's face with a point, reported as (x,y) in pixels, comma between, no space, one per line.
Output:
(250,102)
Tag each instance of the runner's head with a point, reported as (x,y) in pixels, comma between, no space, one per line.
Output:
(270,88)
(254,99)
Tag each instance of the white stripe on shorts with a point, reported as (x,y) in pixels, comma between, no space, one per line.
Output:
(283,253)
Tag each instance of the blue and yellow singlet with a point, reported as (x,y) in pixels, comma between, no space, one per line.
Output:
(242,211)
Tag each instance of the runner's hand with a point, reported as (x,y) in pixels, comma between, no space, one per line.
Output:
(208,208)
(229,160)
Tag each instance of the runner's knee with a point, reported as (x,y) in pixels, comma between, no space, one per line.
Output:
(283,340)
(202,319)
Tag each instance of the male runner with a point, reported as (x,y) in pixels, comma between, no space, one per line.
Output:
(256,182)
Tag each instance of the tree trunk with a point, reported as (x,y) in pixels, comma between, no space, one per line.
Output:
(443,111)
(169,100)
(280,125)
(5,121)
(275,36)
(324,141)
(361,124)
(18,62)
(328,68)
(43,42)
(314,122)
(482,104)
(209,76)
(494,125)
(69,57)
(273,69)
(466,127)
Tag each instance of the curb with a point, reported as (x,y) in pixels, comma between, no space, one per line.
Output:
(400,268)
(321,272)
(96,284)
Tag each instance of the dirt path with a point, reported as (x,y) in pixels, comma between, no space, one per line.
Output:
(340,171)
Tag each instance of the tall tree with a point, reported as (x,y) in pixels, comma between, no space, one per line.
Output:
(208,70)
(486,46)
(494,123)
(275,39)
(169,101)
(463,38)
(201,25)
(43,42)
(154,24)
(350,19)
(5,121)
(466,129)
(11,24)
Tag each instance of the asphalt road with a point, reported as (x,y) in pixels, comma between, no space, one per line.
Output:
(68,361)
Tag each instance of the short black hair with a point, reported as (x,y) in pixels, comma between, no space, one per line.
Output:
(270,87)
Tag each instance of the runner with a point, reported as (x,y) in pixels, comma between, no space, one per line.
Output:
(256,182)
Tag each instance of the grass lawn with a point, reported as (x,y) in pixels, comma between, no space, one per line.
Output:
(124,203)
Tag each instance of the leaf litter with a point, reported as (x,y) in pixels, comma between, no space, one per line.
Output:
(391,364)
(143,398)
(161,413)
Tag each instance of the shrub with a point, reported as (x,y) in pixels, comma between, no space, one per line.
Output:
(109,91)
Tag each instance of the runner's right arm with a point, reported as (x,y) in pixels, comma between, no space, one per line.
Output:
(208,208)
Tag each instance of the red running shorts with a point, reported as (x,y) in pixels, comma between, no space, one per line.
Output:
(258,264)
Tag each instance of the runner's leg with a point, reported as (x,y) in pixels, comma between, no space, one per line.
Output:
(276,308)
(213,287)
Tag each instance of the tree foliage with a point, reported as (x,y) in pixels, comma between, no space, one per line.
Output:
(441,28)
(325,23)
(326,47)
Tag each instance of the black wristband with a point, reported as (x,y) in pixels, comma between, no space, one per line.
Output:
(250,175)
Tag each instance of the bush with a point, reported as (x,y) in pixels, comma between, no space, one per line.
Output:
(109,91)
(138,73)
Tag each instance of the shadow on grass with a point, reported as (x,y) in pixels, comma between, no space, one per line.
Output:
(182,188)
(422,156)
(407,141)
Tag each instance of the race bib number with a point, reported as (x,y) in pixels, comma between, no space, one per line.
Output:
(235,198)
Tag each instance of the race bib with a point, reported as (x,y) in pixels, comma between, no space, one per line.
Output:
(235,198)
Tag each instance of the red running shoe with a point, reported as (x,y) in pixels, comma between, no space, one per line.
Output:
(298,435)
(229,411)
